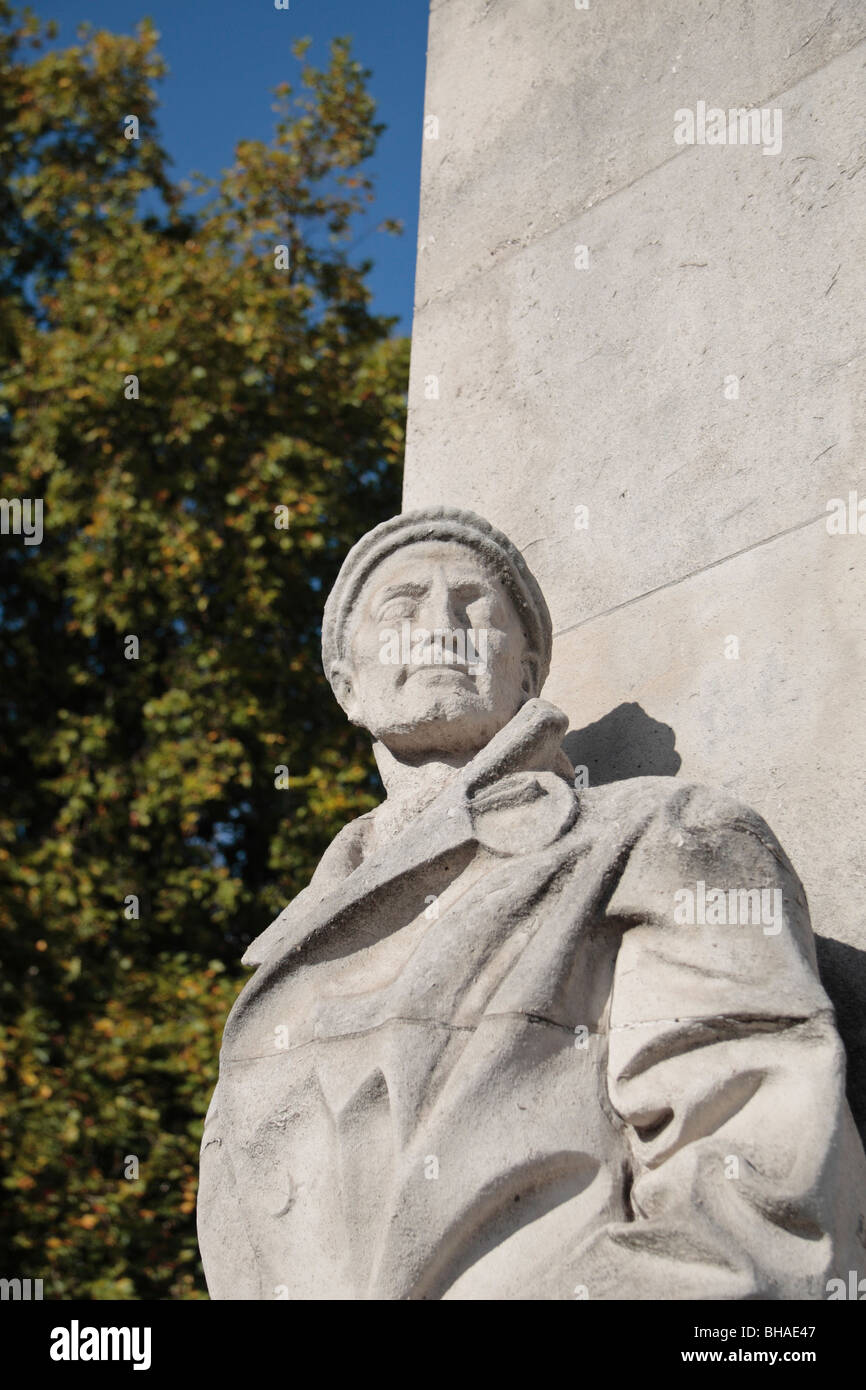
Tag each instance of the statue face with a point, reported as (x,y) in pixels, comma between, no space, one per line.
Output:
(438,658)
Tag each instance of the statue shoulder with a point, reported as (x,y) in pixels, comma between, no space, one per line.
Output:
(674,837)
(664,802)
(343,855)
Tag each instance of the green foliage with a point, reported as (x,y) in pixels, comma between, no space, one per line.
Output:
(259,389)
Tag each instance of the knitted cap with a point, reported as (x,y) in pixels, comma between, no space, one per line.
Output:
(437,524)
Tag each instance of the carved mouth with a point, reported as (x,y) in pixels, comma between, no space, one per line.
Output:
(450,668)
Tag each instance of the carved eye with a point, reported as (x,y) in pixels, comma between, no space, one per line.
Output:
(397,608)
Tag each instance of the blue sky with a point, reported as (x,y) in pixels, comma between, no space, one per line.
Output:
(226,56)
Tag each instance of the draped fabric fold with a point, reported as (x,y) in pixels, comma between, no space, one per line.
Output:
(493,1059)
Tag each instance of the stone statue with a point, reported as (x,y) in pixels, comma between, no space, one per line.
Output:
(518,1040)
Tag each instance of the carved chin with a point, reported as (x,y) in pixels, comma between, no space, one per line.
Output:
(458,714)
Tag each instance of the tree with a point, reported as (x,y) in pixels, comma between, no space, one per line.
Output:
(210,422)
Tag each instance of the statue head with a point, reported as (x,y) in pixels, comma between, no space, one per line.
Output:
(435,633)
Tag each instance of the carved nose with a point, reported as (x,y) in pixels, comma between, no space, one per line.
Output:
(440,613)
(440,608)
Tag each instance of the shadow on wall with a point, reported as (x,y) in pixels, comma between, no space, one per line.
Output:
(625,743)
(629,743)
(843,974)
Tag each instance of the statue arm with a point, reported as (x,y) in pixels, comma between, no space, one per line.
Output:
(227,1253)
(727,1074)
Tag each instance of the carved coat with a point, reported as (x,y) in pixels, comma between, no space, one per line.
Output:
(486,1060)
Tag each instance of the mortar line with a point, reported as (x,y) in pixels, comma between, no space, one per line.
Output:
(578,213)
(692,574)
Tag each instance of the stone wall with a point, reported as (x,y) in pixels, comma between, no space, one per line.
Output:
(644,360)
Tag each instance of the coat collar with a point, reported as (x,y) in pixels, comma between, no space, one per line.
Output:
(489,783)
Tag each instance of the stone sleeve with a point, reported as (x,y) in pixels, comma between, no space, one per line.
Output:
(727,1074)
(227,1254)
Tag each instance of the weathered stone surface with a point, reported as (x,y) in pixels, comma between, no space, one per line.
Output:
(518,1039)
(649,690)
(546,111)
(609,389)
(605,388)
